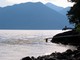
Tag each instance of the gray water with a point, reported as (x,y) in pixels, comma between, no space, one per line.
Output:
(16,44)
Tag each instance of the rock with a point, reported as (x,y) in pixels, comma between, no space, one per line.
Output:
(77,55)
(69,52)
(67,55)
(26,58)
(50,59)
(70,37)
(78,48)
(33,58)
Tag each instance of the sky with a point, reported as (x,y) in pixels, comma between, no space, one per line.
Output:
(62,3)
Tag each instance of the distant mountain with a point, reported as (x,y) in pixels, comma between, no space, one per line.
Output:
(54,7)
(65,10)
(58,9)
(31,16)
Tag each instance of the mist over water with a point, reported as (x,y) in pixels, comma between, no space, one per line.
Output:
(16,44)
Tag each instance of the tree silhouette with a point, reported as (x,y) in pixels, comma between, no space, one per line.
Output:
(74,14)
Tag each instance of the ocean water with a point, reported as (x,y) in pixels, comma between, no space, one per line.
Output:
(16,44)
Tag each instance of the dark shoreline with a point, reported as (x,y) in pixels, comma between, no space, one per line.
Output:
(68,54)
(67,38)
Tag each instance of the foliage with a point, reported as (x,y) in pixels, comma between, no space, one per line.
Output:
(78,27)
(74,14)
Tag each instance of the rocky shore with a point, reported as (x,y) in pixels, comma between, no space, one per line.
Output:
(66,38)
(67,55)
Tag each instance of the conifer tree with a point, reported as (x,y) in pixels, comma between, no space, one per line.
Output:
(74,14)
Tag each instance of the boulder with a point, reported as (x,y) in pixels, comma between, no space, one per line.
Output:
(26,58)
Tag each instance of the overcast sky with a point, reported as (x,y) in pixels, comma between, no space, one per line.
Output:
(62,3)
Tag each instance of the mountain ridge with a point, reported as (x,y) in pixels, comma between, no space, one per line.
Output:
(54,7)
(31,16)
